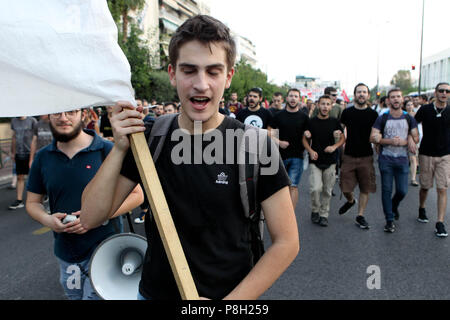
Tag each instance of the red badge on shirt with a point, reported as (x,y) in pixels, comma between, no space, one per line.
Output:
(88,166)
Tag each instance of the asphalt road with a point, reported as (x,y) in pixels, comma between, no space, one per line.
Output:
(336,262)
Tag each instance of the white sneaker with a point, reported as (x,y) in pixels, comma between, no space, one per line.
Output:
(139,220)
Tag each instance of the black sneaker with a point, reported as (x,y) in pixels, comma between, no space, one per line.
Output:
(315,217)
(323,222)
(440,230)
(16,205)
(389,227)
(347,206)
(361,222)
(422,216)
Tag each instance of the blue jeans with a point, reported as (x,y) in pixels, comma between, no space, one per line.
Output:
(389,172)
(75,281)
(294,168)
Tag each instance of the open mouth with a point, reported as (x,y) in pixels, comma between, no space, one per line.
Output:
(199,102)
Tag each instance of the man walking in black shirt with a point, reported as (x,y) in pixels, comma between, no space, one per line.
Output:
(357,162)
(322,151)
(434,154)
(291,124)
(254,114)
(204,198)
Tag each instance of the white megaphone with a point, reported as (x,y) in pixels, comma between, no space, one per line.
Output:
(116,266)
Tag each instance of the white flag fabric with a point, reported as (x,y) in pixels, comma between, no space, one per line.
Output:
(59,55)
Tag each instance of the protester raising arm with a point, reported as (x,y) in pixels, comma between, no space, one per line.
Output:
(108,189)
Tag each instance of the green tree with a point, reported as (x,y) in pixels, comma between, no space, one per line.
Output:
(160,88)
(138,55)
(246,77)
(120,10)
(403,80)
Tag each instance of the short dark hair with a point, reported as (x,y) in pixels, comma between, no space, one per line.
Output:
(257,90)
(278,94)
(424,97)
(207,30)
(393,90)
(440,84)
(325,96)
(360,85)
(328,90)
(170,104)
(296,90)
(383,99)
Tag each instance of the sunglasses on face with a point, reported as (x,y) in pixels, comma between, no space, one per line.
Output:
(443,91)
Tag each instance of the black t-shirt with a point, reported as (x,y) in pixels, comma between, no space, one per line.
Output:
(206,208)
(274,111)
(260,119)
(436,131)
(224,111)
(359,124)
(291,126)
(105,126)
(322,137)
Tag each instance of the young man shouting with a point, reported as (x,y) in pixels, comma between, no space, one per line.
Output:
(322,152)
(291,123)
(204,199)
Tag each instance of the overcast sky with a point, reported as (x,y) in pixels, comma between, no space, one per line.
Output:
(338,39)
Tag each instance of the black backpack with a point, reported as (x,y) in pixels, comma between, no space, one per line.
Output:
(248,179)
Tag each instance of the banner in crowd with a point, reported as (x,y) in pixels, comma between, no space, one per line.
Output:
(59,55)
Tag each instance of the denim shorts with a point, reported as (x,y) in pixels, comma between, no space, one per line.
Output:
(294,168)
(75,280)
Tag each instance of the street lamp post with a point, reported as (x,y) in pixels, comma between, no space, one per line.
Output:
(421,48)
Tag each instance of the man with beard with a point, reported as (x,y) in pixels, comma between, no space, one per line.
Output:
(357,161)
(291,124)
(159,110)
(62,170)
(234,106)
(391,131)
(254,114)
(322,152)
(434,154)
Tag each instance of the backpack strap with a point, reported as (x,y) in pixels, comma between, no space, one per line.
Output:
(159,132)
(248,162)
(249,170)
(384,118)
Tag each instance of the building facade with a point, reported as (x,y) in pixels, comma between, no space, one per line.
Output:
(313,88)
(160,18)
(435,69)
(245,49)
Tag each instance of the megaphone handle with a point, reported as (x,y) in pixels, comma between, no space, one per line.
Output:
(163,218)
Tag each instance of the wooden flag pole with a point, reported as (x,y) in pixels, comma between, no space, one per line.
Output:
(163,218)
